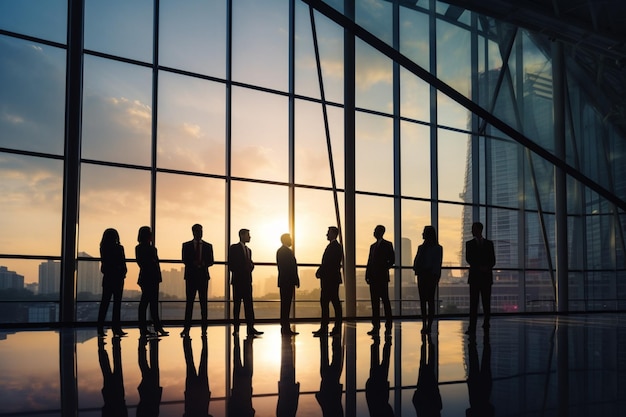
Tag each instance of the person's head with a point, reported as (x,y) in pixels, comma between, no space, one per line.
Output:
(244,235)
(285,239)
(477,229)
(196,229)
(144,235)
(429,234)
(379,231)
(332,233)
(110,237)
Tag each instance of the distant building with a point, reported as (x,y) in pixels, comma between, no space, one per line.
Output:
(173,283)
(10,279)
(89,277)
(49,277)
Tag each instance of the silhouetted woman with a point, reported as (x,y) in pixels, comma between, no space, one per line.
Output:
(149,279)
(113,268)
(427,267)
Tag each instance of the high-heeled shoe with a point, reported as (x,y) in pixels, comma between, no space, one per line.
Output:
(119,333)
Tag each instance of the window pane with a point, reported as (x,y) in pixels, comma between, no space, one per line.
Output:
(312,164)
(116,198)
(374,153)
(260,43)
(453,149)
(414,97)
(415,160)
(32,81)
(117,112)
(315,212)
(415,215)
(373,79)
(370,212)
(453,56)
(45,19)
(263,209)
(120,27)
(183,201)
(32,192)
(259,135)
(414,36)
(191,124)
(451,233)
(192,36)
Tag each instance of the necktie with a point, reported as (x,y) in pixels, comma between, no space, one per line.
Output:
(198,253)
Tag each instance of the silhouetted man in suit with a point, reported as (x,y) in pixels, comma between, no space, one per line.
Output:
(331,388)
(197,257)
(329,274)
(377,385)
(427,397)
(480,256)
(197,392)
(288,388)
(479,381)
(381,258)
(288,280)
(240,265)
(240,401)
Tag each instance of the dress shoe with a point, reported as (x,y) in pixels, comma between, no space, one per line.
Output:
(162,332)
(288,332)
(119,333)
(254,332)
(336,331)
(320,332)
(373,331)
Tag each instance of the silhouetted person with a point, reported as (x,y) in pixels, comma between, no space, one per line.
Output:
(288,388)
(381,258)
(377,385)
(149,279)
(149,388)
(113,268)
(427,398)
(240,401)
(288,280)
(240,265)
(197,392)
(329,274)
(197,257)
(331,389)
(479,381)
(481,257)
(427,267)
(113,380)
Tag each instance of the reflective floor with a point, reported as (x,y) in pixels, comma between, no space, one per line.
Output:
(526,366)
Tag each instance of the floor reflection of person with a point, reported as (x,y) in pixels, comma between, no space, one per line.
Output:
(288,388)
(427,398)
(240,401)
(197,392)
(113,380)
(149,388)
(479,381)
(331,389)
(377,385)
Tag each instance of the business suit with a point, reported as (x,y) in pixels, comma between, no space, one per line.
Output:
(196,277)
(329,274)
(480,255)
(381,258)
(288,279)
(240,265)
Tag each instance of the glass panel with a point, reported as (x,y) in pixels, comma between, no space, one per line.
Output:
(452,235)
(504,174)
(370,212)
(32,81)
(192,36)
(536,253)
(259,135)
(191,124)
(116,198)
(262,209)
(109,27)
(414,36)
(503,229)
(453,150)
(183,201)
(414,97)
(314,213)
(374,153)
(453,293)
(539,291)
(415,215)
(312,164)
(330,44)
(117,112)
(308,295)
(453,56)
(373,79)
(45,19)
(32,193)
(375,16)
(265,291)
(415,160)
(260,43)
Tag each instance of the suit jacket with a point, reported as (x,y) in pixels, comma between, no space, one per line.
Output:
(481,260)
(113,265)
(148,261)
(239,264)
(287,267)
(381,258)
(194,270)
(330,268)
(427,262)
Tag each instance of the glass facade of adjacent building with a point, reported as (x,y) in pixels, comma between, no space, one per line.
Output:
(292,116)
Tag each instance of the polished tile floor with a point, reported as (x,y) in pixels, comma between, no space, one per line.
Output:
(527,366)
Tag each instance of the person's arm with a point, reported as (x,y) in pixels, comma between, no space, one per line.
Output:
(210,260)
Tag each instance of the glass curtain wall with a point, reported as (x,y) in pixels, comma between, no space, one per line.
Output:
(233,114)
